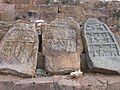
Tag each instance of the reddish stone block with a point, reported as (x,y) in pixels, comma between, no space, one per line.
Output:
(7,7)
(7,15)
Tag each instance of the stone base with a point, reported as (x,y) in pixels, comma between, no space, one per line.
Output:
(62,64)
(86,82)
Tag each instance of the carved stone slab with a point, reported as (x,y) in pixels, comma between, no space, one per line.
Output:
(4,27)
(62,45)
(18,50)
(101,47)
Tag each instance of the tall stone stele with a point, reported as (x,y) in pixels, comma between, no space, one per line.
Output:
(102,48)
(18,50)
(62,46)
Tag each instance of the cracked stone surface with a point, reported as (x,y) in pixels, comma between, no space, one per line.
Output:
(18,50)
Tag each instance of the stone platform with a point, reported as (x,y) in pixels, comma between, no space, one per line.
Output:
(85,82)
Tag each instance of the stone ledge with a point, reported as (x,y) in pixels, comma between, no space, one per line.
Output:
(86,82)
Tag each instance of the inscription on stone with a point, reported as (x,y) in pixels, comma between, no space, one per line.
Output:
(62,45)
(60,37)
(101,43)
(18,50)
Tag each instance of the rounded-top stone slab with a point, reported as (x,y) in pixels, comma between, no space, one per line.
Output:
(101,47)
(18,50)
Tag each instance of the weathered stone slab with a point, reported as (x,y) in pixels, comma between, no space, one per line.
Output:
(4,27)
(18,50)
(101,47)
(62,45)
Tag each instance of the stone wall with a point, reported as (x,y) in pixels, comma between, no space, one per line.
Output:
(28,11)
(31,10)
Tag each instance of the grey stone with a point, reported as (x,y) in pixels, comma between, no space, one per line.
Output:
(86,82)
(101,48)
(18,50)
(35,86)
(62,45)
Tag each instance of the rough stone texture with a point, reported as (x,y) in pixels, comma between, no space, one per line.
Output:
(62,45)
(86,82)
(4,27)
(35,84)
(101,47)
(16,1)
(26,15)
(77,12)
(2,33)
(39,12)
(8,16)
(19,49)
(48,12)
(32,2)
(61,64)
(67,85)
(7,7)
(7,12)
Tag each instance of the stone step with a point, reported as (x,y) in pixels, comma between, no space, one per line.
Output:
(85,82)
